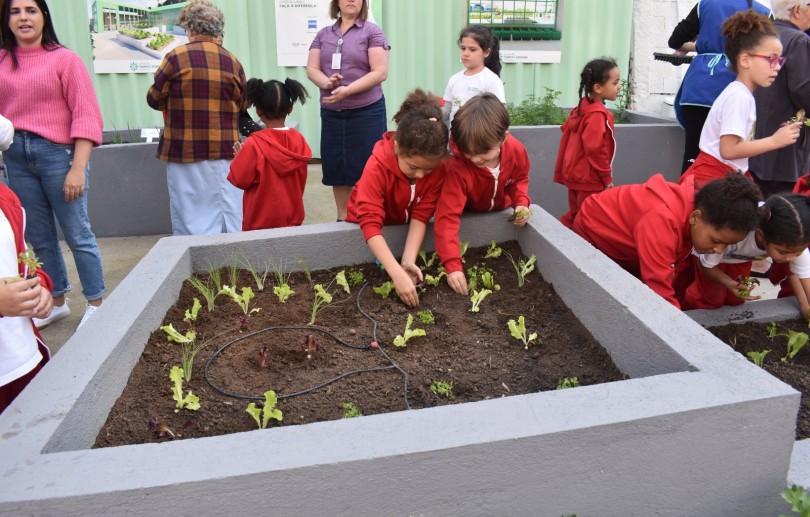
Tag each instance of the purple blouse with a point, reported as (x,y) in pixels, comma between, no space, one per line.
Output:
(360,37)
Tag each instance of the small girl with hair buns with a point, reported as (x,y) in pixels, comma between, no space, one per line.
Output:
(588,145)
(783,235)
(400,185)
(727,141)
(271,166)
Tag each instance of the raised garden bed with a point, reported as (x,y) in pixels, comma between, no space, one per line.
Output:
(675,428)
(472,352)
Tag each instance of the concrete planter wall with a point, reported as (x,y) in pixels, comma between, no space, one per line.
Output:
(129,196)
(697,430)
(764,312)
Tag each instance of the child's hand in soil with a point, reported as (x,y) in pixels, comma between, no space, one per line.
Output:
(405,286)
(457,282)
(22,297)
(414,272)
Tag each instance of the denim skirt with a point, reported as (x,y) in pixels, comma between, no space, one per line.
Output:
(347,138)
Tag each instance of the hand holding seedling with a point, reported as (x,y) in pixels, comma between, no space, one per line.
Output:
(405,286)
(24,298)
(457,282)
(743,287)
(521,216)
(787,134)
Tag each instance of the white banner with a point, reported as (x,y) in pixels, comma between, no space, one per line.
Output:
(297,23)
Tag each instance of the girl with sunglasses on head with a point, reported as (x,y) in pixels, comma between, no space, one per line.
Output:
(726,142)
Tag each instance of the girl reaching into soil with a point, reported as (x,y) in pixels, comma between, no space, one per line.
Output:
(400,185)
(585,156)
(783,235)
(650,229)
(726,142)
(271,166)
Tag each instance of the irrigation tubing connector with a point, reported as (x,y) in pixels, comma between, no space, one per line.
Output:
(392,364)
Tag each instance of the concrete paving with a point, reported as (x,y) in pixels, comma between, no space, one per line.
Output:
(120,254)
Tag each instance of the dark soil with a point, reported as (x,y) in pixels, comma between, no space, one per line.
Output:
(473,351)
(753,337)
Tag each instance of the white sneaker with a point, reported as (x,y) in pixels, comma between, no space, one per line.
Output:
(59,312)
(88,311)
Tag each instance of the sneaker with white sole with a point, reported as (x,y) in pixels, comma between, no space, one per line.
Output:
(59,312)
(88,311)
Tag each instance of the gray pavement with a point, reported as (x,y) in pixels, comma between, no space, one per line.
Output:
(120,254)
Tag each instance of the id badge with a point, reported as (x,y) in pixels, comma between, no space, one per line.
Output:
(336,61)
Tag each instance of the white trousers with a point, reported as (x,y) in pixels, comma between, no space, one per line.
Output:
(201,199)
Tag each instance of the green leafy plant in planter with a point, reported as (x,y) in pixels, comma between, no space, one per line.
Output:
(534,111)
(341,280)
(795,340)
(443,389)
(243,300)
(567,382)
(426,317)
(518,331)
(190,400)
(799,500)
(350,410)
(282,276)
(322,299)
(757,357)
(409,333)
(262,416)
(478,297)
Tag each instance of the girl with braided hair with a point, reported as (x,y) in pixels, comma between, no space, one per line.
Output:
(783,235)
(400,185)
(271,166)
(588,145)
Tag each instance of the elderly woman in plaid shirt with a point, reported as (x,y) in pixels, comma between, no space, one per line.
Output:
(200,89)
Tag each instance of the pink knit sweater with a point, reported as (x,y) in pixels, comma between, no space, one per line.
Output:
(50,94)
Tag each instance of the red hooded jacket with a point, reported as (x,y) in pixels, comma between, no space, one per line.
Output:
(644,228)
(271,168)
(587,148)
(469,187)
(384,195)
(13,210)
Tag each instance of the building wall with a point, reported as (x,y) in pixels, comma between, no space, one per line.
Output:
(424,54)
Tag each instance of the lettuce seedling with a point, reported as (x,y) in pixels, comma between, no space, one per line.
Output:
(443,389)
(305,269)
(518,331)
(757,357)
(190,401)
(385,289)
(269,410)
(434,280)
(356,277)
(160,429)
(567,382)
(749,284)
(522,213)
(30,262)
(350,410)
(462,249)
(191,314)
(428,262)
(795,342)
(494,251)
(340,279)
(400,340)
(426,317)
(206,289)
(243,300)
(259,278)
(799,500)
(264,357)
(322,298)
(522,267)
(478,297)
(772,330)
(310,346)
(283,292)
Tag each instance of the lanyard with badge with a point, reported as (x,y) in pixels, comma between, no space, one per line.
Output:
(336,57)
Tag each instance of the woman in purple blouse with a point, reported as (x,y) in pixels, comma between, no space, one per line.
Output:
(348,61)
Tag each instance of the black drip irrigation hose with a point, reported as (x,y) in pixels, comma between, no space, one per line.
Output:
(375,344)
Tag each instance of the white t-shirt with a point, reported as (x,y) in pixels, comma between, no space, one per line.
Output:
(733,113)
(461,88)
(747,251)
(6,133)
(19,353)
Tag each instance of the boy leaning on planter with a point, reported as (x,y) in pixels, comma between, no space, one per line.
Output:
(24,294)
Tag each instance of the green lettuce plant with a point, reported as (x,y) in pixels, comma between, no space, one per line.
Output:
(340,279)
(518,331)
(262,416)
(478,297)
(243,300)
(443,389)
(409,333)
(189,401)
(322,298)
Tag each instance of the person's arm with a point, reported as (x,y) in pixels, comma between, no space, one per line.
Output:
(6,133)
(446,225)
(158,95)
(416,235)
(378,61)
(598,155)
(685,32)
(316,75)
(75,178)
(406,289)
(733,147)
(716,275)
(801,287)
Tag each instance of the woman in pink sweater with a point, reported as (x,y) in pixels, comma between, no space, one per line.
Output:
(47,94)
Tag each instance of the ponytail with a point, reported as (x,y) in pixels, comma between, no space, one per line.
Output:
(273,98)
(595,72)
(420,129)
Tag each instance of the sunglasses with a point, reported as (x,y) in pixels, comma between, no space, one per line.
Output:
(772,60)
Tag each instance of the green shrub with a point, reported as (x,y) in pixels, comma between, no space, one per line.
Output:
(538,112)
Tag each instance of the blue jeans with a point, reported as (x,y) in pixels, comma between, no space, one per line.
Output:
(36,173)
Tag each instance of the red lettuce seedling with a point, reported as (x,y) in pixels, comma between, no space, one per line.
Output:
(160,429)
(310,346)
(264,357)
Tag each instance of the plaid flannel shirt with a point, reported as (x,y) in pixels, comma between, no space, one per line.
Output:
(200,88)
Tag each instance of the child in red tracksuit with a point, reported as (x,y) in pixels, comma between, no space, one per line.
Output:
(588,146)
(780,272)
(753,50)
(24,294)
(271,166)
(489,170)
(400,185)
(650,229)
